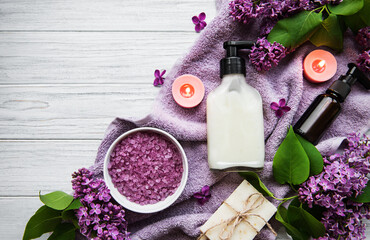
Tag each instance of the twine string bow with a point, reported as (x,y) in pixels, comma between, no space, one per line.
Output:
(241,216)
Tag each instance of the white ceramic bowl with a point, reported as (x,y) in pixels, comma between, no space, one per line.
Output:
(149,208)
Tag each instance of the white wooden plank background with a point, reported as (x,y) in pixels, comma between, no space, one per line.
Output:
(62,62)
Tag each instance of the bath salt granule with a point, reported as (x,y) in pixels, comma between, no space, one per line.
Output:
(146,167)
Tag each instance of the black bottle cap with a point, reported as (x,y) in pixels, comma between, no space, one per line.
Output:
(233,63)
(342,87)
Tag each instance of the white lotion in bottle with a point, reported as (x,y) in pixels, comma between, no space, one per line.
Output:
(235,135)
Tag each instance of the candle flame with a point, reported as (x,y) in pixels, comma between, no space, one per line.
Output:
(187,90)
(321,63)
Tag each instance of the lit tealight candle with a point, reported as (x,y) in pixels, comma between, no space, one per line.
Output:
(188,91)
(319,66)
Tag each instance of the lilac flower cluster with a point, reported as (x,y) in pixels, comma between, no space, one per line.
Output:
(344,176)
(264,55)
(363,61)
(245,10)
(99,218)
(323,2)
(363,37)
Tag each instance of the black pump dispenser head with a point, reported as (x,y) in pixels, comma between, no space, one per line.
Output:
(233,63)
(342,87)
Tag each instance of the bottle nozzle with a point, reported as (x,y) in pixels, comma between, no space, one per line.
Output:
(233,63)
(342,87)
(232,47)
(357,74)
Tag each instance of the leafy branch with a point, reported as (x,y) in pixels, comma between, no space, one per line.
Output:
(295,160)
(323,26)
(57,216)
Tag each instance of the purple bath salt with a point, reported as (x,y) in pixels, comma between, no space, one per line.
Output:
(146,167)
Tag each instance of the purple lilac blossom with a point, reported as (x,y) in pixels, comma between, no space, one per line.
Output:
(280,108)
(264,55)
(203,195)
(158,77)
(99,218)
(323,2)
(266,26)
(344,176)
(363,37)
(199,22)
(363,61)
(270,11)
(245,10)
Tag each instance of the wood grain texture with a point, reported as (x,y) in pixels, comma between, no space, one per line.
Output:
(107,15)
(69,111)
(88,57)
(67,68)
(28,167)
(14,215)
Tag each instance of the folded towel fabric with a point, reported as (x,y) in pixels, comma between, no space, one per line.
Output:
(183,219)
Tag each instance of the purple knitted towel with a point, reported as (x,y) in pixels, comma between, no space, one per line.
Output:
(183,219)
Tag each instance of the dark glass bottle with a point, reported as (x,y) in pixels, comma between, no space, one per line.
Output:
(318,117)
(326,107)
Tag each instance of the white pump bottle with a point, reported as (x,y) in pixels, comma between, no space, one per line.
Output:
(235,134)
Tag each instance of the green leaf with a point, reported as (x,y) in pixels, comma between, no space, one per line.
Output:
(57,200)
(365,196)
(364,12)
(69,213)
(354,22)
(347,7)
(75,204)
(329,34)
(64,231)
(316,160)
(291,164)
(292,32)
(315,210)
(359,20)
(256,182)
(70,217)
(43,221)
(282,217)
(305,222)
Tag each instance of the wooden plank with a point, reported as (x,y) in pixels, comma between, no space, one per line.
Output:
(14,218)
(28,167)
(14,215)
(69,111)
(88,57)
(108,15)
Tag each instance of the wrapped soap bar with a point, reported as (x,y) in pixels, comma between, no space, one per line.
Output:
(242,215)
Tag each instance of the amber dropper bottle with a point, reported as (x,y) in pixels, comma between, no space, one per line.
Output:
(326,107)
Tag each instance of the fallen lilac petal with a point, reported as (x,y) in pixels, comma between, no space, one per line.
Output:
(195,20)
(274,106)
(280,108)
(285,108)
(203,195)
(199,22)
(282,102)
(198,28)
(202,16)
